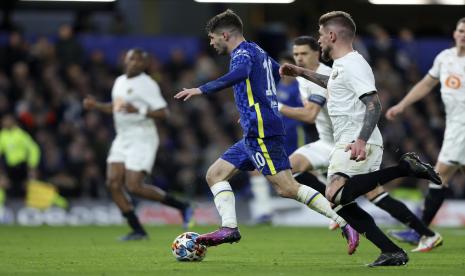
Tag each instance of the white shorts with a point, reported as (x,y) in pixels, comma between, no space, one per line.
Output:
(136,152)
(453,146)
(317,153)
(340,161)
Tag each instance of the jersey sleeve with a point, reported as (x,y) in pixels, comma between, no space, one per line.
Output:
(241,65)
(360,78)
(154,97)
(435,70)
(312,92)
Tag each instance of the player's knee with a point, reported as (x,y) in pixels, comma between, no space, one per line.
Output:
(284,192)
(334,190)
(133,188)
(213,176)
(299,163)
(113,184)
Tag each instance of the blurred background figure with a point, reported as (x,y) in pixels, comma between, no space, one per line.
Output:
(21,156)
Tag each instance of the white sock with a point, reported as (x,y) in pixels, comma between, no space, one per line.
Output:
(318,203)
(261,205)
(225,203)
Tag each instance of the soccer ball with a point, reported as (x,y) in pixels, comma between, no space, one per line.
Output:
(185,249)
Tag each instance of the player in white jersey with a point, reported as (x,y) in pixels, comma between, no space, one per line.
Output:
(313,156)
(316,155)
(136,103)
(448,70)
(354,109)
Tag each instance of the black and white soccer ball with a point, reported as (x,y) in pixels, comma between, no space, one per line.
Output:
(185,249)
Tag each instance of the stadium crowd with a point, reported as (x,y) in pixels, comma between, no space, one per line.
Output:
(43,83)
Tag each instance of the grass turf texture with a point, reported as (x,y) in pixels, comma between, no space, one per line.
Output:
(262,251)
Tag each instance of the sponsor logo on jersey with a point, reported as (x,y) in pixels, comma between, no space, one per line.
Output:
(334,74)
(453,82)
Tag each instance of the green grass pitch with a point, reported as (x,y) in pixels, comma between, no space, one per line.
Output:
(263,250)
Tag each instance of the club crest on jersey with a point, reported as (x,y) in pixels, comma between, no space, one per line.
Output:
(130,91)
(334,74)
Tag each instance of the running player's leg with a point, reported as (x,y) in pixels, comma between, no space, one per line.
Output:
(399,211)
(433,201)
(134,181)
(308,158)
(359,219)
(271,159)
(233,160)
(115,184)
(140,156)
(340,169)
(409,165)
(436,193)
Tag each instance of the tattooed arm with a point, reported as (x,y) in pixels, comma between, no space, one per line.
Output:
(316,78)
(372,115)
(296,71)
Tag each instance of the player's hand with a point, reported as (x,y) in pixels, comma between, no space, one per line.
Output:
(89,103)
(186,94)
(394,111)
(129,108)
(357,150)
(291,70)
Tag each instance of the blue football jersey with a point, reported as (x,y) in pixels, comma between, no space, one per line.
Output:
(256,96)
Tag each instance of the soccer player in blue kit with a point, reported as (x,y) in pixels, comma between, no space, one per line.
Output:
(287,93)
(253,76)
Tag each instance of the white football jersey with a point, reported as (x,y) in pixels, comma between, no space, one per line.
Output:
(308,88)
(351,77)
(142,92)
(449,68)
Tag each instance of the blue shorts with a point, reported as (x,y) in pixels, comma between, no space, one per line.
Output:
(267,155)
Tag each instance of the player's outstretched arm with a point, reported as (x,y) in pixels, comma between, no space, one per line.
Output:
(157,114)
(306,114)
(292,70)
(239,73)
(90,103)
(419,91)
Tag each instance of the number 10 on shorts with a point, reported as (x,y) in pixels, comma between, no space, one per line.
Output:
(259,161)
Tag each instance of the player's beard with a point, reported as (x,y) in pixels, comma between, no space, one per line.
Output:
(222,50)
(325,53)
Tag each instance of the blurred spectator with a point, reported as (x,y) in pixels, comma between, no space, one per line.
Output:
(177,64)
(407,54)
(68,49)
(382,46)
(21,155)
(16,50)
(118,25)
